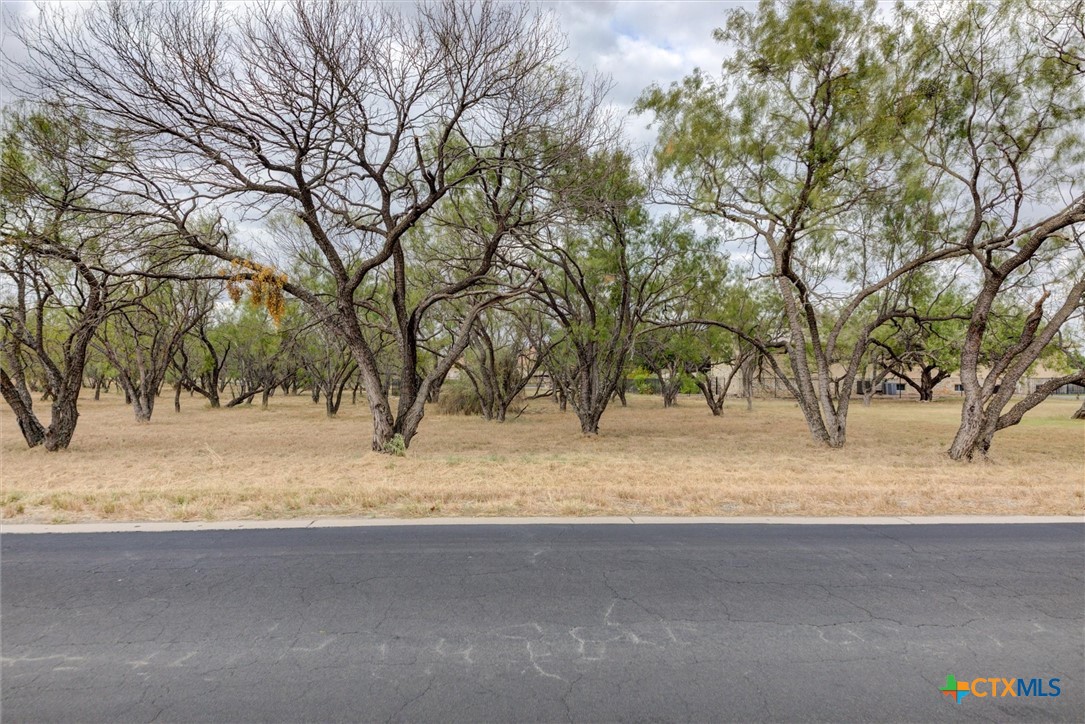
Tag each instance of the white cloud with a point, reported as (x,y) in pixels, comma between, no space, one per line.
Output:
(637,44)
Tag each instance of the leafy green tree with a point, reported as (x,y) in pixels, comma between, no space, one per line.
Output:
(791,152)
(924,349)
(201,359)
(509,345)
(605,270)
(260,354)
(995,111)
(141,339)
(66,268)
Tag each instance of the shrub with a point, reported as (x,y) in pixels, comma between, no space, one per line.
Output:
(458,398)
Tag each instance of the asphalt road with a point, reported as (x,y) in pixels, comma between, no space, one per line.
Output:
(547,622)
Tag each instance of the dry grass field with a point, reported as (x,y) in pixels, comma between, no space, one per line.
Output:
(291,461)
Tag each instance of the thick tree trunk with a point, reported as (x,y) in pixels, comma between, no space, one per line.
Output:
(62,425)
(589,420)
(966,443)
(1080,414)
(926,385)
(143,406)
(177,396)
(406,425)
(29,426)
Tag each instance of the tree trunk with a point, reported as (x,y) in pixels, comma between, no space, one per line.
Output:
(926,385)
(213,397)
(966,443)
(332,401)
(62,425)
(715,402)
(1080,414)
(177,396)
(670,394)
(97,388)
(31,428)
(244,397)
(589,419)
(143,407)
(407,422)
(747,387)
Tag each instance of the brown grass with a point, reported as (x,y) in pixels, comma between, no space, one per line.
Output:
(290,461)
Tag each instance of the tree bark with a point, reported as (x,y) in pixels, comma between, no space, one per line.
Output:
(31,428)
(62,426)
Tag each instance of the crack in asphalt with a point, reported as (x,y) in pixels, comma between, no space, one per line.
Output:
(574,624)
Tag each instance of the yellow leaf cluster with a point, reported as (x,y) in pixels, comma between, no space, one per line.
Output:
(264,285)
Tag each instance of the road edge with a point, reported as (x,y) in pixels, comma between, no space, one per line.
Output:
(294,523)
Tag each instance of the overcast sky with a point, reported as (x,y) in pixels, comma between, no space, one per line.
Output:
(638,43)
(634,43)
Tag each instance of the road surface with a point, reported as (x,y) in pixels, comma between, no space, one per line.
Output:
(542,623)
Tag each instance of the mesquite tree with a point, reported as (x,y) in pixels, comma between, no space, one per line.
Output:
(996,111)
(326,361)
(924,349)
(509,346)
(260,354)
(201,359)
(792,152)
(64,269)
(604,271)
(362,121)
(141,339)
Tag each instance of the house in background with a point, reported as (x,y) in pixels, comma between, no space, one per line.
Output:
(890,386)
